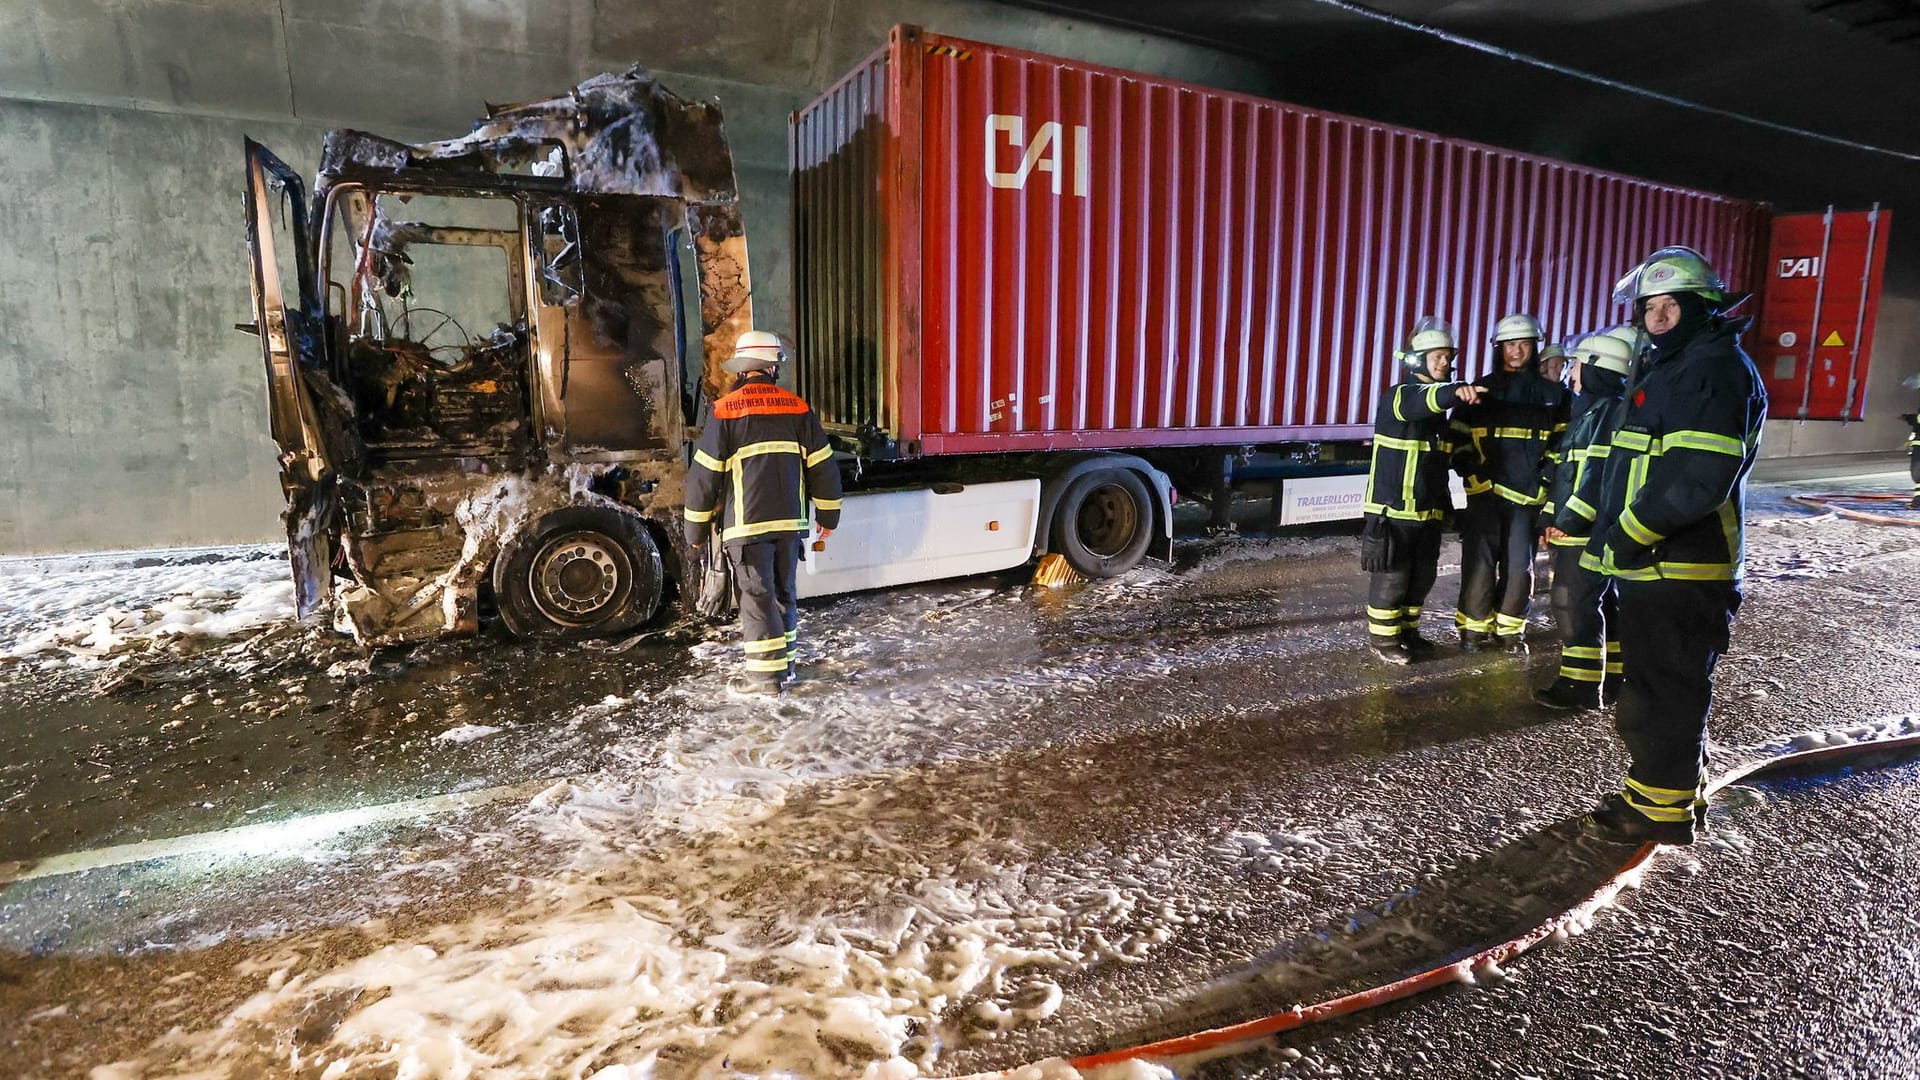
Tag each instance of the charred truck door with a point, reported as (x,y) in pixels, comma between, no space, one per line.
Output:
(477,361)
(286,318)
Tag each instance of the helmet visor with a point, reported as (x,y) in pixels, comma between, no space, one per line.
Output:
(1673,269)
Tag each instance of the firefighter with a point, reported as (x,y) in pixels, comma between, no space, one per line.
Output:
(1502,447)
(1913,456)
(1553,363)
(1407,491)
(1583,601)
(756,466)
(1669,532)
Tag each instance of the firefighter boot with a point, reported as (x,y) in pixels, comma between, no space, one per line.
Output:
(1611,688)
(1392,650)
(1417,647)
(1475,640)
(1616,822)
(1565,693)
(752,686)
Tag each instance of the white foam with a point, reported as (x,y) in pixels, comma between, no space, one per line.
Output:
(467,733)
(85,610)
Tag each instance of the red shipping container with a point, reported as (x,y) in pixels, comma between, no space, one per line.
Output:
(1814,336)
(1000,251)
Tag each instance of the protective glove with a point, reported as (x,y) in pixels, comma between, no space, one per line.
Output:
(1376,545)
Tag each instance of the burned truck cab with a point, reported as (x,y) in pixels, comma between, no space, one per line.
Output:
(485,355)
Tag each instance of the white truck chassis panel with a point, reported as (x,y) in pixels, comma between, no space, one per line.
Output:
(898,537)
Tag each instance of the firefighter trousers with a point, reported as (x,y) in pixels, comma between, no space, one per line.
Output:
(1496,566)
(1394,596)
(763,574)
(1585,607)
(1675,631)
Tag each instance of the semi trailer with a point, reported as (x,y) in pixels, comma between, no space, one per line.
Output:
(1032,296)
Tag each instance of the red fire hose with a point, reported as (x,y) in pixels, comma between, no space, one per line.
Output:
(1462,970)
(1835,503)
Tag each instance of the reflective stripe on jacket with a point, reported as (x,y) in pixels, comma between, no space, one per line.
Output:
(759,461)
(1504,444)
(1411,444)
(1576,476)
(1671,492)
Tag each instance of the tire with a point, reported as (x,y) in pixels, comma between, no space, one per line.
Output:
(1103,523)
(580,571)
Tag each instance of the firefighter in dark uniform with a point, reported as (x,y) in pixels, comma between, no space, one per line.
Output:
(1502,452)
(1913,456)
(1583,600)
(1669,532)
(756,466)
(1407,492)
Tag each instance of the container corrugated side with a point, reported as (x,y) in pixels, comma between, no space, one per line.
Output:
(1087,257)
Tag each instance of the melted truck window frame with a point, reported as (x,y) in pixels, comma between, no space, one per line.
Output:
(430,320)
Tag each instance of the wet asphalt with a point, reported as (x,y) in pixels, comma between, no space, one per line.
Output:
(1128,729)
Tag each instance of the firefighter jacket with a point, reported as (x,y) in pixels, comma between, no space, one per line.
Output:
(1582,451)
(1576,478)
(1411,448)
(1505,443)
(760,459)
(1670,493)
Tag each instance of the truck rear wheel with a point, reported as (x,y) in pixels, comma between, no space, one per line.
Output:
(1103,523)
(580,571)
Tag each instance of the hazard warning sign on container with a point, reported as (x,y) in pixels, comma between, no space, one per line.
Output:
(1817,309)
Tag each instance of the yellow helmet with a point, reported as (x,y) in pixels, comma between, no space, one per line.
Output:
(1671,270)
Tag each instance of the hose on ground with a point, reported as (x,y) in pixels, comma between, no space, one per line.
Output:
(1570,921)
(1837,504)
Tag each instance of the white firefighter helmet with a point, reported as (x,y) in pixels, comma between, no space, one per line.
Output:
(1606,352)
(1671,270)
(756,350)
(1634,337)
(1549,352)
(1517,328)
(1430,333)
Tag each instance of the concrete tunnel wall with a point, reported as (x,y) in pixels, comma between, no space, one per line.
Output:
(133,415)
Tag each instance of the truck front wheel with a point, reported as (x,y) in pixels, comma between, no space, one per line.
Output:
(1104,522)
(580,571)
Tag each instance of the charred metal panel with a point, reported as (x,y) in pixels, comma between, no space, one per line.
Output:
(423,541)
(290,340)
(726,288)
(619,386)
(615,134)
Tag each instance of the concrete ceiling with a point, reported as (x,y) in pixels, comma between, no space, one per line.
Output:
(1738,93)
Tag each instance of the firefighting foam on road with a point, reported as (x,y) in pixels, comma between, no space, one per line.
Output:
(992,825)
